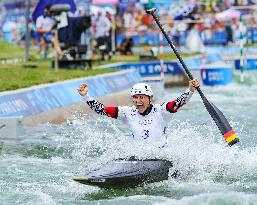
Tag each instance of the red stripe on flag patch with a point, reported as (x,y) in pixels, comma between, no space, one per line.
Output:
(229,133)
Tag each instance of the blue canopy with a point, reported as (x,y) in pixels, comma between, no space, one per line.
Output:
(39,10)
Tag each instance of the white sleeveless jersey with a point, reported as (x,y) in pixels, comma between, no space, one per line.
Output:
(150,127)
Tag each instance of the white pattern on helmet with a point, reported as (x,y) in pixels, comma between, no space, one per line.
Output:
(141,88)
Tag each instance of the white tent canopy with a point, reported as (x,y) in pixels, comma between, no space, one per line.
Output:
(228,15)
(95,9)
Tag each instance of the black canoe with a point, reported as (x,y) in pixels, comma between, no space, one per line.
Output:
(127,173)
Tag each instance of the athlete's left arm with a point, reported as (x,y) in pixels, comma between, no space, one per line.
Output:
(174,105)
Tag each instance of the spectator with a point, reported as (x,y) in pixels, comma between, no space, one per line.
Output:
(44,26)
(125,47)
(102,28)
(229,31)
(128,20)
(109,37)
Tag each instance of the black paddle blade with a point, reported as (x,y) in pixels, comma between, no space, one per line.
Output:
(222,123)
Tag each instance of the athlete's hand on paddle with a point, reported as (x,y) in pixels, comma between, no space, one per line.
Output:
(83,89)
(193,84)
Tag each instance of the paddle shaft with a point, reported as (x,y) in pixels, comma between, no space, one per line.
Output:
(177,54)
(218,117)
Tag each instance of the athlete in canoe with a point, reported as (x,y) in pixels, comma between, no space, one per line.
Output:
(146,121)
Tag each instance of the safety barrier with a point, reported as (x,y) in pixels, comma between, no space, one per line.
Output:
(214,73)
(39,99)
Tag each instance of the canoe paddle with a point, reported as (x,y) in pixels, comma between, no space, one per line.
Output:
(218,117)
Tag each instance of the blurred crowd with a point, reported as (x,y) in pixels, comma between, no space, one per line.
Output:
(218,23)
(122,26)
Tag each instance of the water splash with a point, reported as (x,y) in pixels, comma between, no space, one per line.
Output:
(44,160)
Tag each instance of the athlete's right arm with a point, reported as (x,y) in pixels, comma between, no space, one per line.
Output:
(99,108)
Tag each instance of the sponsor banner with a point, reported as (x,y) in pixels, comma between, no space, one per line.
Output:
(43,99)
(170,67)
(216,76)
(249,64)
(153,68)
(209,75)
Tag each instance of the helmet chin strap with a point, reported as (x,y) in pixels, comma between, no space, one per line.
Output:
(149,100)
(147,111)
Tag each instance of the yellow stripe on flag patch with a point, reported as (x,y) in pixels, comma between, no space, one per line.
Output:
(231,138)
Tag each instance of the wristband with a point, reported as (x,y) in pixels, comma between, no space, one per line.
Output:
(87,97)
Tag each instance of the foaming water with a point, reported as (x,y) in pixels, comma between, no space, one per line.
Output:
(230,198)
(39,166)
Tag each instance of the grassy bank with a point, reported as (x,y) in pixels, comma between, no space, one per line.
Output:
(38,71)
(8,51)
(19,76)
